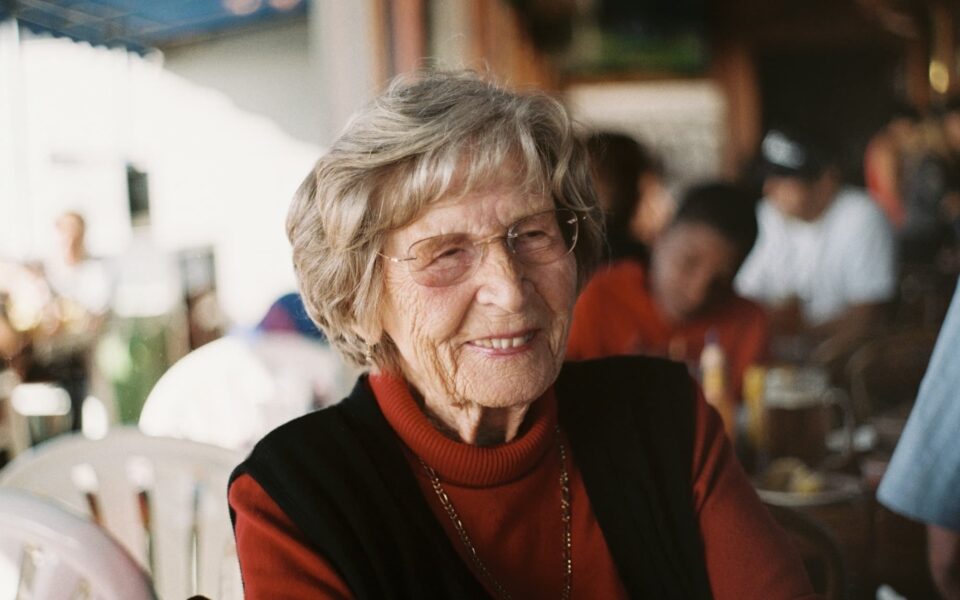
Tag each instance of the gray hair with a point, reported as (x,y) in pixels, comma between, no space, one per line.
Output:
(422,140)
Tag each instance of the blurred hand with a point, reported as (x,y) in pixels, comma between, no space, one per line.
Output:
(787,318)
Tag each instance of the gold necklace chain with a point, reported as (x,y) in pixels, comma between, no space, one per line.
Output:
(565,517)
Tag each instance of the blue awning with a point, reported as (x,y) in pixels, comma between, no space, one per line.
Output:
(143,24)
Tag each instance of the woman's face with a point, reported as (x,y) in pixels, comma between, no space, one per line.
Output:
(692,269)
(497,338)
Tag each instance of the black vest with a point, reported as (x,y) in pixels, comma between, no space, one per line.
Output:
(341,477)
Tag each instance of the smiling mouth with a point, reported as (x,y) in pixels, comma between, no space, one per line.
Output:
(504,343)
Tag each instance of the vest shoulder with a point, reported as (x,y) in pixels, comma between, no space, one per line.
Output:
(635,380)
(322,435)
(304,428)
(287,440)
(626,366)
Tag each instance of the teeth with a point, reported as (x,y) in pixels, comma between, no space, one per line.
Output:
(504,343)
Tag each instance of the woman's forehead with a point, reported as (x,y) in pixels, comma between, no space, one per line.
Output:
(477,211)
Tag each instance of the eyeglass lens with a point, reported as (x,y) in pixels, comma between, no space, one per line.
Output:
(537,239)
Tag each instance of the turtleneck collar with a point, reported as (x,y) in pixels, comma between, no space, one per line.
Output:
(459,463)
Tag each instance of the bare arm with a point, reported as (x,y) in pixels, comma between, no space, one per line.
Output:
(943,550)
(833,342)
(842,335)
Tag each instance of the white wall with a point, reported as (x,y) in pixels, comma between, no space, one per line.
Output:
(225,129)
(343,48)
(219,175)
(682,121)
(307,75)
(265,72)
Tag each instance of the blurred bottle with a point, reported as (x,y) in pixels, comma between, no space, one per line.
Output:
(713,373)
(750,422)
(753,386)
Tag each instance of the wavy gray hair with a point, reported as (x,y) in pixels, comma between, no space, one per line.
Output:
(424,139)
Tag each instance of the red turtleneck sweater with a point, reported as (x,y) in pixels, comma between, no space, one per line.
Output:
(508,498)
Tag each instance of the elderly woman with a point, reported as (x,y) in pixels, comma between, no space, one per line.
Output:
(442,242)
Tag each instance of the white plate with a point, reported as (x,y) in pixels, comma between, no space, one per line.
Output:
(838,488)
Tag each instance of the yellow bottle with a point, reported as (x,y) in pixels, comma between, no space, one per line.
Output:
(713,373)
(753,387)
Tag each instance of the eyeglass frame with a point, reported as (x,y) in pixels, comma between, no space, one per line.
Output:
(506,237)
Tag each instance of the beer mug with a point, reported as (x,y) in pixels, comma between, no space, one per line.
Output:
(799,405)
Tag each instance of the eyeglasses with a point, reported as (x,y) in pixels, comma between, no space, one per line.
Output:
(537,239)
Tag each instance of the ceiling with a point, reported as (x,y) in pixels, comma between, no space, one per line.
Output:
(144,24)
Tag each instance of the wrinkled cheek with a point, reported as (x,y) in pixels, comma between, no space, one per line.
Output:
(434,362)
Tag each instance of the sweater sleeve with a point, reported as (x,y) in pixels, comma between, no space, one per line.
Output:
(275,560)
(747,554)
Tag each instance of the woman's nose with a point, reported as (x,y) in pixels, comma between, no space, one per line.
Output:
(500,278)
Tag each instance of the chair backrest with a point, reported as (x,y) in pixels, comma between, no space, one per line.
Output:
(887,371)
(49,553)
(232,391)
(817,547)
(163,499)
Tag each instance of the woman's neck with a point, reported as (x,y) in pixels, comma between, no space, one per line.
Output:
(471,423)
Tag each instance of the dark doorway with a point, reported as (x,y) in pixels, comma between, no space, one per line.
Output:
(839,97)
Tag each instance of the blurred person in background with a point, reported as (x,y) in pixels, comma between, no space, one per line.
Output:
(13,336)
(668,308)
(74,275)
(442,242)
(888,154)
(929,180)
(11,342)
(82,291)
(631,191)
(949,123)
(922,481)
(824,262)
(26,312)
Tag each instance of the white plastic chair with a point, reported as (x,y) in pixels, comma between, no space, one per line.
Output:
(49,553)
(163,499)
(232,391)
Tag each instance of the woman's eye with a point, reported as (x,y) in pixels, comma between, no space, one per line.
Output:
(532,235)
(444,256)
(532,239)
(448,252)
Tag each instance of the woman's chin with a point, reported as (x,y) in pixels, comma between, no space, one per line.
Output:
(502,383)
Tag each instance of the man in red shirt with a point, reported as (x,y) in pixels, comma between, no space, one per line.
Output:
(668,307)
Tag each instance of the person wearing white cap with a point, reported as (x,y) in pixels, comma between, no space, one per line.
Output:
(824,261)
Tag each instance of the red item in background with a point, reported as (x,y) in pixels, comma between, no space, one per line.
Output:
(616,314)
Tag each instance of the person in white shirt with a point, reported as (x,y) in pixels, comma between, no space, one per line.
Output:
(73,273)
(82,290)
(824,262)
